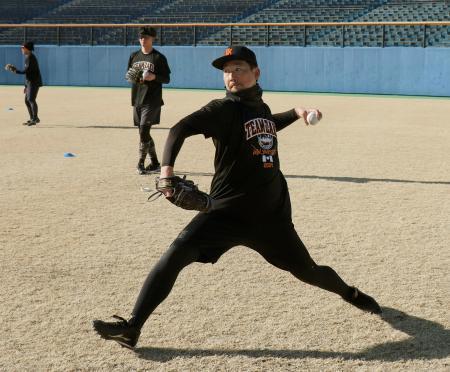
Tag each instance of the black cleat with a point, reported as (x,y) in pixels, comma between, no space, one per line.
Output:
(27,122)
(121,332)
(32,122)
(153,168)
(141,168)
(364,302)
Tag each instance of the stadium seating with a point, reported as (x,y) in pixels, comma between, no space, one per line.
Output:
(84,11)
(13,11)
(200,11)
(232,11)
(397,11)
(286,11)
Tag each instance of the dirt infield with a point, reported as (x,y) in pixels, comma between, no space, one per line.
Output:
(370,188)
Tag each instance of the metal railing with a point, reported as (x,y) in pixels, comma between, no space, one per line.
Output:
(193,33)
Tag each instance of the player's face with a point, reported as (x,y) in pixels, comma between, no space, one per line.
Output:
(24,50)
(146,42)
(239,75)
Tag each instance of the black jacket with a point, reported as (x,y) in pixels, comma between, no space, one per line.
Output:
(31,70)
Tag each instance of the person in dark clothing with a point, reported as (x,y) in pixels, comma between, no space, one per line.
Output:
(33,81)
(146,95)
(251,204)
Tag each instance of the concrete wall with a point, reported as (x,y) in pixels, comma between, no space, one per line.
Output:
(408,71)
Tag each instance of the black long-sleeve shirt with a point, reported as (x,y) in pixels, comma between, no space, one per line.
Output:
(31,70)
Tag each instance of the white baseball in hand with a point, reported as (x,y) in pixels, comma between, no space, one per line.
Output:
(145,74)
(312,118)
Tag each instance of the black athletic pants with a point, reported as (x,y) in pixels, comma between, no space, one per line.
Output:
(31,92)
(208,236)
(144,116)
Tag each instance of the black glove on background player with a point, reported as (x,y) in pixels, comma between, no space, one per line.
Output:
(134,75)
(10,67)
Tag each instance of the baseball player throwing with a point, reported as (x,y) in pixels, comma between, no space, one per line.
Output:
(250,198)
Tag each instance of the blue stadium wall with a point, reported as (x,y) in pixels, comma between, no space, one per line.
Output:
(405,71)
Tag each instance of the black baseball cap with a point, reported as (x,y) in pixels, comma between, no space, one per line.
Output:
(233,53)
(28,45)
(147,31)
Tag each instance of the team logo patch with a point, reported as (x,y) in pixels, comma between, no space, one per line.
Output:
(228,51)
(265,141)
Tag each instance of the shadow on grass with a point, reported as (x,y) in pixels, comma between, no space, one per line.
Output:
(428,340)
(336,179)
(119,127)
(367,180)
(100,127)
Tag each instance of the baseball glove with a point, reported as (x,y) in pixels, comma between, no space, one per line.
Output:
(134,75)
(10,67)
(185,194)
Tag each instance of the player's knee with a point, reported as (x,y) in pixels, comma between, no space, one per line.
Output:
(180,254)
(145,138)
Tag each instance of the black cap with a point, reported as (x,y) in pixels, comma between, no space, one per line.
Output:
(233,53)
(147,31)
(28,45)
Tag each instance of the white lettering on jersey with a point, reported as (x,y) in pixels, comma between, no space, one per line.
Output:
(259,126)
(144,65)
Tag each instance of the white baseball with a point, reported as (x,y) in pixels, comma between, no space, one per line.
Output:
(312,118)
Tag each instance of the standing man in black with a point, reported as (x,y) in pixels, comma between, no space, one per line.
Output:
(33,81)
(251,204)
(146,95)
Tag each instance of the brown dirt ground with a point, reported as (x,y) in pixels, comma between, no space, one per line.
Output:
(370,188)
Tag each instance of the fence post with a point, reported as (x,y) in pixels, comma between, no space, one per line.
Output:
(24,34)
(424,42)
(195,35)
(125,36)
(343,37)
(161,35)
(231,35)
(383,35)
(58,37)
(268,36)
(92,35)
(304,36)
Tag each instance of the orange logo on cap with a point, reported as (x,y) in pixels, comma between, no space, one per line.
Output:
(228,51)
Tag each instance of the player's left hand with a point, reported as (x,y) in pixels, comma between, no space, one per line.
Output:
(133,75)
(11,68)
(183,193)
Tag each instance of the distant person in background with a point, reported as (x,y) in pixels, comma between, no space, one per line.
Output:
(33,81)
(146,95)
